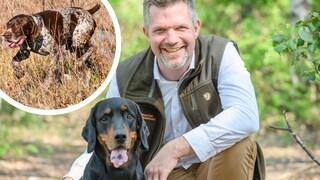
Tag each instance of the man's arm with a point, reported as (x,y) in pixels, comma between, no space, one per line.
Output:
(77,168)
(239,117)
(113,90)
(166,159)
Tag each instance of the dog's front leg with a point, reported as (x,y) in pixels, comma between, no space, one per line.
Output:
(17,69)
(21,55)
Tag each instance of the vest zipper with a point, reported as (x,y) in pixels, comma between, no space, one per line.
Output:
(181,86)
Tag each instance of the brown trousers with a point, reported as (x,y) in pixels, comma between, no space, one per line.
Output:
(236,162)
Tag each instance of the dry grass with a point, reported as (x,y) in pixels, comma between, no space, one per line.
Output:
(75,85)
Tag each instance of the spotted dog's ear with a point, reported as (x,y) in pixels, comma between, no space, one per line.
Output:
(30,29)
(89,131)
(35,30)
(143,131)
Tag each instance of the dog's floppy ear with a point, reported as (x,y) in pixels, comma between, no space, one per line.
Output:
(143,130)
(31,29)
(89,131)
(35,31)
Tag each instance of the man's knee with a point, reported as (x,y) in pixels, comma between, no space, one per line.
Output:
(236,162)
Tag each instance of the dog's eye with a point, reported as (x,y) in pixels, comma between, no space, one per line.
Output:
(129,116)
(104,119)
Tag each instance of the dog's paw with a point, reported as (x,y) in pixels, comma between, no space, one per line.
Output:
(17,70)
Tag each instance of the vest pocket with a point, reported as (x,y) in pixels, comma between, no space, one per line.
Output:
(200,104)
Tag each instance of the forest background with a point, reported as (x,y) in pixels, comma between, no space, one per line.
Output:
(45,146)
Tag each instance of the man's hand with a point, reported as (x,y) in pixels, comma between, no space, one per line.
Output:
(166,160)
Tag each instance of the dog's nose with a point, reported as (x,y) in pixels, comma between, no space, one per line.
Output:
(120,138)
(7,35)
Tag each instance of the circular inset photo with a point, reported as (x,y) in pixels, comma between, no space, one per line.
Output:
(57,56)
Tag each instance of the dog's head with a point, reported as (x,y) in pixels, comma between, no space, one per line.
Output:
(18,29)
(117,125)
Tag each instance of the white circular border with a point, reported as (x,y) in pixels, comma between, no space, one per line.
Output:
(96,93)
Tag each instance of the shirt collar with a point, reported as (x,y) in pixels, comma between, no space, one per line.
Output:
(156,71)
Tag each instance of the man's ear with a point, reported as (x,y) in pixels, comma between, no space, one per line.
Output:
(89,131)
(197,28)
(145,32)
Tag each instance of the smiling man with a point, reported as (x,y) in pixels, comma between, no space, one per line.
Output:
(172,37)
(196,97)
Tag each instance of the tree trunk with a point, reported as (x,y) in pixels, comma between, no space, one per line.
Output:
(299,9)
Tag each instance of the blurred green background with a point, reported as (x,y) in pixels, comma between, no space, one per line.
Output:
(250,23)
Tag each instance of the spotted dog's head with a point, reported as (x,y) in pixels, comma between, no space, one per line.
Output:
(18,29)
(117,125)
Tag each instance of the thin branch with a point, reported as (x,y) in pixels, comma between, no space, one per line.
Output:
(297,138)
(280,128)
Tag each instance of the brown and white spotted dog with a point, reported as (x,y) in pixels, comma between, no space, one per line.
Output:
(115,132)
(46,32)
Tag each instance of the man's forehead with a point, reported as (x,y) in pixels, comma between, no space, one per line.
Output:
(179,5)
(171,12)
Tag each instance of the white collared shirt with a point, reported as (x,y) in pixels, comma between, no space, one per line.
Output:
(238,119)
(176,122)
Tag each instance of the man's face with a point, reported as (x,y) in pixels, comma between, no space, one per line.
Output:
(172,35)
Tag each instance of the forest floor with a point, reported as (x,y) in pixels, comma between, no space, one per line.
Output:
(281,164)
(288,162)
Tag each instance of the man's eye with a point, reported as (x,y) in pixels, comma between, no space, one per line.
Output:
(181,28)
(159,31)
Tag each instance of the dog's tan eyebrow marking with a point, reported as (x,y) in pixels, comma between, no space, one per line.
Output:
(108,111)
(123,107)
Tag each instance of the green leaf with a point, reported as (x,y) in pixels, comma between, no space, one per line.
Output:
(313,46)
(311,27)
(310,74)
(279,38)
(305,35)
(300,42)
(312,77)
(299,24)
(33,149)
(299,54)
(315,14)
(280,48)
(292,44)
(316,63)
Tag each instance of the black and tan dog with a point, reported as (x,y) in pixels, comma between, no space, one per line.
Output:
(116,132)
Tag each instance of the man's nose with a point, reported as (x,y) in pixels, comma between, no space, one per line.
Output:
(172,37)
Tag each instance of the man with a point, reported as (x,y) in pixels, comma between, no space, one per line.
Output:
(197,130)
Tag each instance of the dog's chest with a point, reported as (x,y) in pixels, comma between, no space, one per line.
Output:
(97,169)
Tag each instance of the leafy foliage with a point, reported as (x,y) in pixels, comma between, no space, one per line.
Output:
(302,44)
(10,118)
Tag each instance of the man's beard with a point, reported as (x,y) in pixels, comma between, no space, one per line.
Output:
(174,66)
